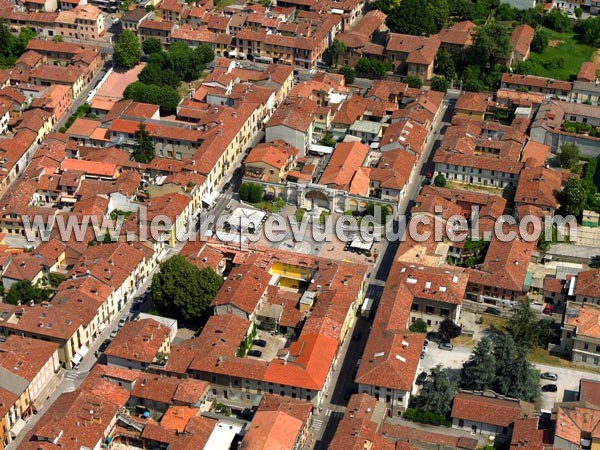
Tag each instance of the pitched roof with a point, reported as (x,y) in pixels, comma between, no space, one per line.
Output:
(472,101)
(588,283)
(273,430)
(25,357)
(521,38)
(588,72)
(488,410)
(346,160)
(575,420)
(539,186)
(585,318)
(139,341)
(275,154)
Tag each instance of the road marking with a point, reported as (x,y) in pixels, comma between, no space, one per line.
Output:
(316,425)
(328,412)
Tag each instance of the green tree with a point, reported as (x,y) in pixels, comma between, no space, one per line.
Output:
(378,211)
(439,84)
(337,48)
(440,180)
(414,81)
(143,150)
(256,193)
(568,155)
(57,38)
(418,326)
(244,191)
(128,50)
(444,64)
(349,74)
(523,326)
(327,140)
(165,96)
(437,393)
(479,372)
(151,46)
(540,41)
(556,20)
(385,6)
(578,12)
(25,35)
(205,53)
(491,45)
(472,79)
(24,291)
(449,330)
(371,66)
(182,290)
(591,32)
(416,17)
(572,197)
(7,40)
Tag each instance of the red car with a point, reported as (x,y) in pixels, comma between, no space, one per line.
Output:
(548,309)
(429,175)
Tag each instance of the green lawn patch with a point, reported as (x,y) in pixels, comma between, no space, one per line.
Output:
(563,56)
(223,3)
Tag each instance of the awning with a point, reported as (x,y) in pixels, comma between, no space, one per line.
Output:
(362,245)
(79,355)
(17,427)
(83,350)
(76,359)
(102,327)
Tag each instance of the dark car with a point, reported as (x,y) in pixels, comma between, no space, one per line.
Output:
(422,355)
(227,186)
(429,175)
(549,388)
(492,311)
(421,378)
(255,353)
(135,307)
(426,182)
(260,342)
(104,345)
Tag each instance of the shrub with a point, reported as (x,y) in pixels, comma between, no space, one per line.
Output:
(417,415)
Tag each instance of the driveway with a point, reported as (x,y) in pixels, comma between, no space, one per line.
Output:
(567,383)
(452,360)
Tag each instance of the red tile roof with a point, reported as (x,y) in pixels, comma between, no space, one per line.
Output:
(588,283)
(488,410)
(588,72)
(521,39)
(343,165)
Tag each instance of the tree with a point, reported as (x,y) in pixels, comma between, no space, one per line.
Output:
(151,46)
(439,84)
(244,191)
(372,66)
(556,20)
(523,326)
(591,31)
(378,211)
(418,326)
(414,81)
(416,17)
(7,40)
(491,45)
(444,64)
(515,377)
(472,79)
(57,38)
(449,330)
(143,150)
(440,180)
(24,291)
(578,12)
(568,155)
(572,197)
(385,6)
(437,393)
(337,48)
(180,289)
(205,53)
(349,74)
(128,50)
(165,96)
(479,372)
(540,41)
(256,193)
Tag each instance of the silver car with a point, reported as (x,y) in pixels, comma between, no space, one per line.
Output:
(446,346)
(549,376)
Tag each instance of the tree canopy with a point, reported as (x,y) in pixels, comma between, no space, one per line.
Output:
(479,372)
(572,197)
(349,74)
(128,50)
(24,291)
(437,393)
(336,49)
(183,290)
(526,330)
(491,46)
(151,46)
(418,326)
(143,150)
(418,17)
(568,155)
(165,96)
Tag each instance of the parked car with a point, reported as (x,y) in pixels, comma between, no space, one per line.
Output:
(446,346)
(424,349)
(549,388)
(426,343)
(433,336)
(260,342)
(123,321)
(104,345)
(114,332)
(426,182)
(492,311)
(227,186)
(255,353)
(422,355)
(548,309)
(429,175)
(549,376)
(421,378)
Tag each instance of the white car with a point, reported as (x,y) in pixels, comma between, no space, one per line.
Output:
(114,332)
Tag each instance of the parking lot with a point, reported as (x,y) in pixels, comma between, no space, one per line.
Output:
(452,360)
(274,344)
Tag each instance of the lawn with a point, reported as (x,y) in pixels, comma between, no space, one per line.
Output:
(223,3)
(542,356)
(565,46)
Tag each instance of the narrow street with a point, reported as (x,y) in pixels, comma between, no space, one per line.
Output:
(326,421)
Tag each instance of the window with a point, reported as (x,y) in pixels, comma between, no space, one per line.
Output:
(586,346)
(445,312)
(474,428)
(415,307)
(461,423)
(584,358)
(429,309)
(596,361)
(505,430)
